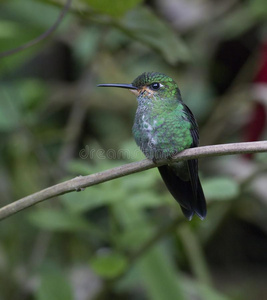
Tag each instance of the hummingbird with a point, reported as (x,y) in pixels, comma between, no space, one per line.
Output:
(163,127)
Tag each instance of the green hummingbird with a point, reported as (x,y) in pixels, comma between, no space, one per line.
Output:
(163,127)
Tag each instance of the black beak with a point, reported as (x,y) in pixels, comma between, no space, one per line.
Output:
(119,85)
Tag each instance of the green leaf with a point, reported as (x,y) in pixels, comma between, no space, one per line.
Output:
(220,188)
(8,29)
(33,12)
(145,27)
(258,8)
(143,181)
(109,265)
(236,22)
(54,286)
(115,8)
(198,290)
(32,92)
(95,196)
(137,233)
(145,199)
(159,276)
(82,167)
(9,117)
(57,220)
(86,44)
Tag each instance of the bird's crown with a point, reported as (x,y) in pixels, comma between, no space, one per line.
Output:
(149,78)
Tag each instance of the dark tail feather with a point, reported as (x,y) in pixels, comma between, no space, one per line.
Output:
(200,202)
(187,213)
(191,202)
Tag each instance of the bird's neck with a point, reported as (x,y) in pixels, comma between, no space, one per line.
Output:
(157,105)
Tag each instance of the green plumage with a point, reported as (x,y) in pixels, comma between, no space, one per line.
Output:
(164,126)
(161,127)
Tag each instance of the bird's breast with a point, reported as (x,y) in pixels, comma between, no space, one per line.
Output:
(161,136)
(150,128)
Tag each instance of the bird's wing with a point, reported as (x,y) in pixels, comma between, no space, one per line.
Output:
(199,198)
(193,163)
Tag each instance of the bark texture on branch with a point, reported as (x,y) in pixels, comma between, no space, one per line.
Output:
(81,182)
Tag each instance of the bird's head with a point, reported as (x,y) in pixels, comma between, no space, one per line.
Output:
(151,85)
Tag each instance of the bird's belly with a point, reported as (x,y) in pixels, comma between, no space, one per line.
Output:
(161,141)
(159,145)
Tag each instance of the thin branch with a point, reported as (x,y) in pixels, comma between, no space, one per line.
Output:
(81,182)
(42,36)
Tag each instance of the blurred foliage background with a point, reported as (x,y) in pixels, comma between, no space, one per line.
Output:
(127,239)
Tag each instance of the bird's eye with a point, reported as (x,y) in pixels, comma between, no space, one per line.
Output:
(155,86)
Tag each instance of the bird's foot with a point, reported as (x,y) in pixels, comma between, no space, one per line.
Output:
(154,160)
(169,158)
